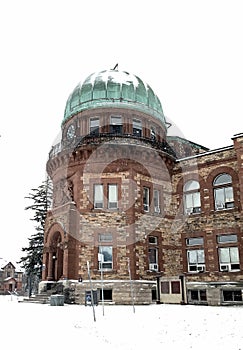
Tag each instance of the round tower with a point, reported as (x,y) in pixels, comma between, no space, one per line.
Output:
(111,175)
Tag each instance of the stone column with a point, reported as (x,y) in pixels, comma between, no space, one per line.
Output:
(50,267)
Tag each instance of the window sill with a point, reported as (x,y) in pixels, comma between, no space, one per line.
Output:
(105,271)
(223,210)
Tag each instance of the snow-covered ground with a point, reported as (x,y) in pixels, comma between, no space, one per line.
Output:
(42,326)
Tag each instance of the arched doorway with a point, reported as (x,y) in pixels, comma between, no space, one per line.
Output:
(56,257)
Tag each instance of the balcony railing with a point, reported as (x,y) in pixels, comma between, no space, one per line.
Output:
(99,138)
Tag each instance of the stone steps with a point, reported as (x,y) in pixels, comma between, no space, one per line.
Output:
(38,299)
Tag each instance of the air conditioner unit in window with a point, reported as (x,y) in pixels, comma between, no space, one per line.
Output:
(196,209)
(189,211)
(113,205)
(146,207)
(224,267)
(153,267)
(157,210)
(98,205)
(201,268)
(219,205)
(229,205)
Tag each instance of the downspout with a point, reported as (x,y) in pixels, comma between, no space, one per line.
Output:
(183,293)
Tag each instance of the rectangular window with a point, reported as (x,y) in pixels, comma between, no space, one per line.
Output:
(194,241)
(224,198)
(105,257)
(227,238)
(94,126)
(137,128)
(175,287)
(193,202)
(196,260)
(107,294)
(156,201)
(105,237)
(153,133)
(197,295)
(98,196)
(112,196)
(153,259)
(153,255)
(116,124)
(229,259)
(165,287)
(146,199)
(232,295)
(153,240)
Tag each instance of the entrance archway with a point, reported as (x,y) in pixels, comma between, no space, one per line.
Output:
(56,257)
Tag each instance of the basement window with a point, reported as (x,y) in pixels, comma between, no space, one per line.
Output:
(197,295)
(107,294)
(232,295)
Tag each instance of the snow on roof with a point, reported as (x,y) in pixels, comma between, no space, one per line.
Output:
(115,76)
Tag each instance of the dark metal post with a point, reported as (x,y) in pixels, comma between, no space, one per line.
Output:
(92,296)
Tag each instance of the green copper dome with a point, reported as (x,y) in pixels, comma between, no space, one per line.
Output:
(113,88)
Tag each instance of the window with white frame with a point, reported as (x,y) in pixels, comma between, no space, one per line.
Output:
(196,260)
(105,257)
(146,199)
(94,126)
(153,253)
(223,192)
(112,196)
(116,124)
(192,200)
(229,259)
(153,258)
(157,201)
(153,240)
(98,196)
(137,128)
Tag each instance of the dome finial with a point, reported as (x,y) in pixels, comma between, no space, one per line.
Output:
(116,67)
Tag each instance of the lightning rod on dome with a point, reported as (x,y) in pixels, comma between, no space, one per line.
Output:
(116,67)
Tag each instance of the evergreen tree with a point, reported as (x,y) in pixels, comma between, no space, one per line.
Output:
(32,261)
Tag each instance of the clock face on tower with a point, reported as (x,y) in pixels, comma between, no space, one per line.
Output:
(70,132)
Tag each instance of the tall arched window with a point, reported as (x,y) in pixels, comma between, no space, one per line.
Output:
(192,200)
(223,192)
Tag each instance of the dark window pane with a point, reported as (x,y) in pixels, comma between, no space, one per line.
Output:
(165,288)
(175,287)
(203,295)
(194,295)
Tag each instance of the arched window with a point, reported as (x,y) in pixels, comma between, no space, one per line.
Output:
(223,192)
(192,200)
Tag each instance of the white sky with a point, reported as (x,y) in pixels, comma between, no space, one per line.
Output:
(189,52)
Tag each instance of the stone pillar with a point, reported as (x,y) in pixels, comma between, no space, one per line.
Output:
(50,267)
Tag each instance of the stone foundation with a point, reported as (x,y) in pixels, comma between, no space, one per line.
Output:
(117,292)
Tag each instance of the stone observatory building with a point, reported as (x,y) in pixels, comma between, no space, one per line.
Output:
(139,216)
